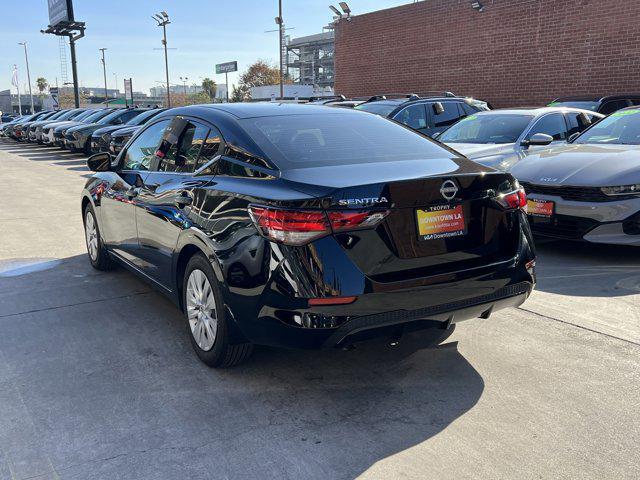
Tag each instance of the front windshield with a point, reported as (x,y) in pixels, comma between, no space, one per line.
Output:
(379,108)
(489,128)
(95,117)
(82,116)
(111,116)
(143,117)
(619,128)
(585,105)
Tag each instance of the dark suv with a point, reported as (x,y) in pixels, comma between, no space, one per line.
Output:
(428,114)
(598,103)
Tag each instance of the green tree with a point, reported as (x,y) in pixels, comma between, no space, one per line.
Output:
(42,84)
(199,98)
(210,87)
(240,93)
(260,74)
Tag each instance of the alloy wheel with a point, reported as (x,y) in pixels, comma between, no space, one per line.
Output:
(91,233)
(201,310)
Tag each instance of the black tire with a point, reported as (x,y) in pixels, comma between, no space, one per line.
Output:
(87,147)
(223,353)
(101,260)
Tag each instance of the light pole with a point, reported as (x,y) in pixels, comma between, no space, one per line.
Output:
(104,71)
(26,58)
(280,23)
(163,20)
(184,84)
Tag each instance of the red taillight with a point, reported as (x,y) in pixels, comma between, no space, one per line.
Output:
(297,227)
(513,200)
(293,227)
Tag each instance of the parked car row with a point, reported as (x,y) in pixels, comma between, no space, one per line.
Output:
(80,129)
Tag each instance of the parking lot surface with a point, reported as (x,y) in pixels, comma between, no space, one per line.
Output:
(98,379)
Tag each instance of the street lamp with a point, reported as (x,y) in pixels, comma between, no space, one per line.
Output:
(280,23)
(163,20)
(26,58)
(104,71)
(184,84)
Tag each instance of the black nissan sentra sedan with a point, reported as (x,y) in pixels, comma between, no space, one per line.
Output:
(304,226)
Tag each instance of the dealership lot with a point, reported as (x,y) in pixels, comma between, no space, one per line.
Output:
(98,380)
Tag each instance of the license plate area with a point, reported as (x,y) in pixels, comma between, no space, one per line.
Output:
(440,221)
(543,209)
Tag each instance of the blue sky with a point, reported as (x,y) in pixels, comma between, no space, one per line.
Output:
(204,32)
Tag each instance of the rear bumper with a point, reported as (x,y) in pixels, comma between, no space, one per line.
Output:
(385,313)
(454,312)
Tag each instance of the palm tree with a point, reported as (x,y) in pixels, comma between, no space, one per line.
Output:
(42,84)
(210,87)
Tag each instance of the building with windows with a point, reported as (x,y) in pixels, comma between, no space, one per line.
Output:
(310,60)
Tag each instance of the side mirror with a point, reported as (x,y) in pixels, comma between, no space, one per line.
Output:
(572,137)
(438,108)
(99,162)
(538,139)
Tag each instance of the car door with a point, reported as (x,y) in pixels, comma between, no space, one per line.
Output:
(552,124)
(118,201)
(611,106)
(440,121)
(167,194)
(578,121)
(414,116)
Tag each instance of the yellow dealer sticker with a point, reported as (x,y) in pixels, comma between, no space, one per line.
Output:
(441,221)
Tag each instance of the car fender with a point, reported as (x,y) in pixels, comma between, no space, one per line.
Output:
(197,238)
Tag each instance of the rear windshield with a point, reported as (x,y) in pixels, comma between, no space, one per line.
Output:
(379,108)
(300,141)
(619,128)
(489,128)
(585,105)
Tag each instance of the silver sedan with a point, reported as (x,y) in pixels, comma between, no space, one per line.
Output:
(501,138)
(588,189)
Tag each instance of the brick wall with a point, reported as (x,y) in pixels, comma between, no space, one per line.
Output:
(516,52)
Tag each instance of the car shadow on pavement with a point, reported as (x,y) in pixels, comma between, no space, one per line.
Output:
(101,367)
(587,269)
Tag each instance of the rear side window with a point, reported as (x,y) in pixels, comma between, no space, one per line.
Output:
(183,156)
(614,106)
(467,109)
(349,137)
(552,125)
(578,122)
(446,118)
(413,116)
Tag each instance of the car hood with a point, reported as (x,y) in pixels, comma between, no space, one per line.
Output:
(61,123)
(67,125)
(479,150)
(107,129)
(581,165)
(83,127)
(126,131)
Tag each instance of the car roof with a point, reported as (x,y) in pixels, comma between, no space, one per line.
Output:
(261,109)
(536,111)
(596,98)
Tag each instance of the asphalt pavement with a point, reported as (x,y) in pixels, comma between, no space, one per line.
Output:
(98,379)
